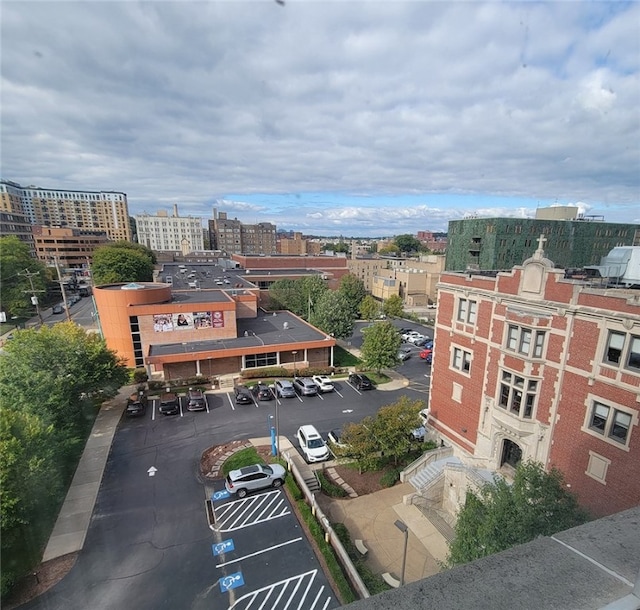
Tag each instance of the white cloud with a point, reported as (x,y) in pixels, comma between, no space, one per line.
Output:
(196,102)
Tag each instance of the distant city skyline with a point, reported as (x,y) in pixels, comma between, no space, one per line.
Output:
(341,118)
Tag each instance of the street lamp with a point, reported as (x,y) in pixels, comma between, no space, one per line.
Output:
(405,530)
(294,362)
(277,429)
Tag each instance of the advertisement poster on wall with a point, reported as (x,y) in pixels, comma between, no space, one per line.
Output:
(180,321)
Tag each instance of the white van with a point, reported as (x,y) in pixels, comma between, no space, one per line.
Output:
(312,445)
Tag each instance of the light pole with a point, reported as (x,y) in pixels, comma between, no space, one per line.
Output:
(294,362)
(405,530)
(277,428)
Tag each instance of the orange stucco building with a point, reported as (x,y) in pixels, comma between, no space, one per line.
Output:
(218,332)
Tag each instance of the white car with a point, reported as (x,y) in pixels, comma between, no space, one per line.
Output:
(323,382)
(415,338)
(424,416)
(312,445)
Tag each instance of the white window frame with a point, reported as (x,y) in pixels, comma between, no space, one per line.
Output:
(525,341)
(461,360)
(521,398)
(622,350)
(467,311)
(609,416)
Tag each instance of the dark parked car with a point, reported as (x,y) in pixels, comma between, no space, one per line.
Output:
(360,381)
(136,404)
(262,391)
(257,476)
(243,396)
(57,309)
(169,404)
(196,400)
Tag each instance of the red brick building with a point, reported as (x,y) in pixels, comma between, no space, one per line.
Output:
(530,365)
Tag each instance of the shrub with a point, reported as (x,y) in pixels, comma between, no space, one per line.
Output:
(390,477)
(140,375)
(330,488)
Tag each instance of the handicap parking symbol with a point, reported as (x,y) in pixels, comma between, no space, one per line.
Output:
(220,495)
(231,582)
(223,547)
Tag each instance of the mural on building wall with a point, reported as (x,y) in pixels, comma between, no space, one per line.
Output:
(199,319)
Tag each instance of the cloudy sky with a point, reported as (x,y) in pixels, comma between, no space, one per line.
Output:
(332,118)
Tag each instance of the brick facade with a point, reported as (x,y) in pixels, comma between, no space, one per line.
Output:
(545,378)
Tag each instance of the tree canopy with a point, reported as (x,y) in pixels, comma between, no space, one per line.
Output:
(47,377)
(369,308)
(15,260)
(45,371)
(408,243)
(503,515)
(122,262)
(353,290)
(298,296)
(388,434)
(380,346)
(332,315)
(393,307)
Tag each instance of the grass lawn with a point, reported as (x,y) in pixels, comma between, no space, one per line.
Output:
(342,358)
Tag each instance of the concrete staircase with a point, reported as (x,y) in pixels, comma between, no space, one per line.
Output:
(306,472)
(431,472)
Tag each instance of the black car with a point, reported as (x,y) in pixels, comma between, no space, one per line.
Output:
(243,396)
(360,381)
(169,404)
(136,405)
(262,391)
(196,400)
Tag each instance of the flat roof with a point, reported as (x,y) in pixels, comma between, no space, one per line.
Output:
(265,330)
(204,275)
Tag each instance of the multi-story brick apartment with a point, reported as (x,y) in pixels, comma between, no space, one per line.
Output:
(18,225)
(531,365)
(234,237)
(175,233)
(102,210)
(298,246)
(500,243)
(73,248)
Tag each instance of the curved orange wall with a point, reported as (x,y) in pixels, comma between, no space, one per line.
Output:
(113,306)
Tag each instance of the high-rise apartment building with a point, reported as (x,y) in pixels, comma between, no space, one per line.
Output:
(102,210)
(234,237)
(164,233)
(72,248)
(18,225)
(486,244)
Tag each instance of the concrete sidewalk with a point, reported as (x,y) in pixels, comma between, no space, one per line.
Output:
(371,519)
(73,520)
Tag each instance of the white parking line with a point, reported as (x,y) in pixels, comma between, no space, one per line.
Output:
(270,548)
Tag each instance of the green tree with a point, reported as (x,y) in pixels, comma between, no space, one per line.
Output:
(393,425)
(369,308)
(407,243)
(393,307)
(15,260)
(390,250)
(352,287)
(333,315)
(312,288)
(380,346)
(122,262)
(360,444)
(285,294)
(30,479)
(51,368)
(503,515)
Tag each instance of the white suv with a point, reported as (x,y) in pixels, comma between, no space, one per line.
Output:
(312,445)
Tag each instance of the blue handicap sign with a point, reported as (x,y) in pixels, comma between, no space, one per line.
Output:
(223,547)
(231,582)
(220,495)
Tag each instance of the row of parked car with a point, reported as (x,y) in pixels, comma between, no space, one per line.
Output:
(169,403)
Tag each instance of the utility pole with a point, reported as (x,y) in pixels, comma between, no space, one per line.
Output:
(64,296)
(34,297)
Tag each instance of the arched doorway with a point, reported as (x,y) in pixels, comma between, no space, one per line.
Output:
(511,454)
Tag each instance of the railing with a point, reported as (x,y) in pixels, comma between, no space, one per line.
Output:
(424,460)
(330,536)
(470,473)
